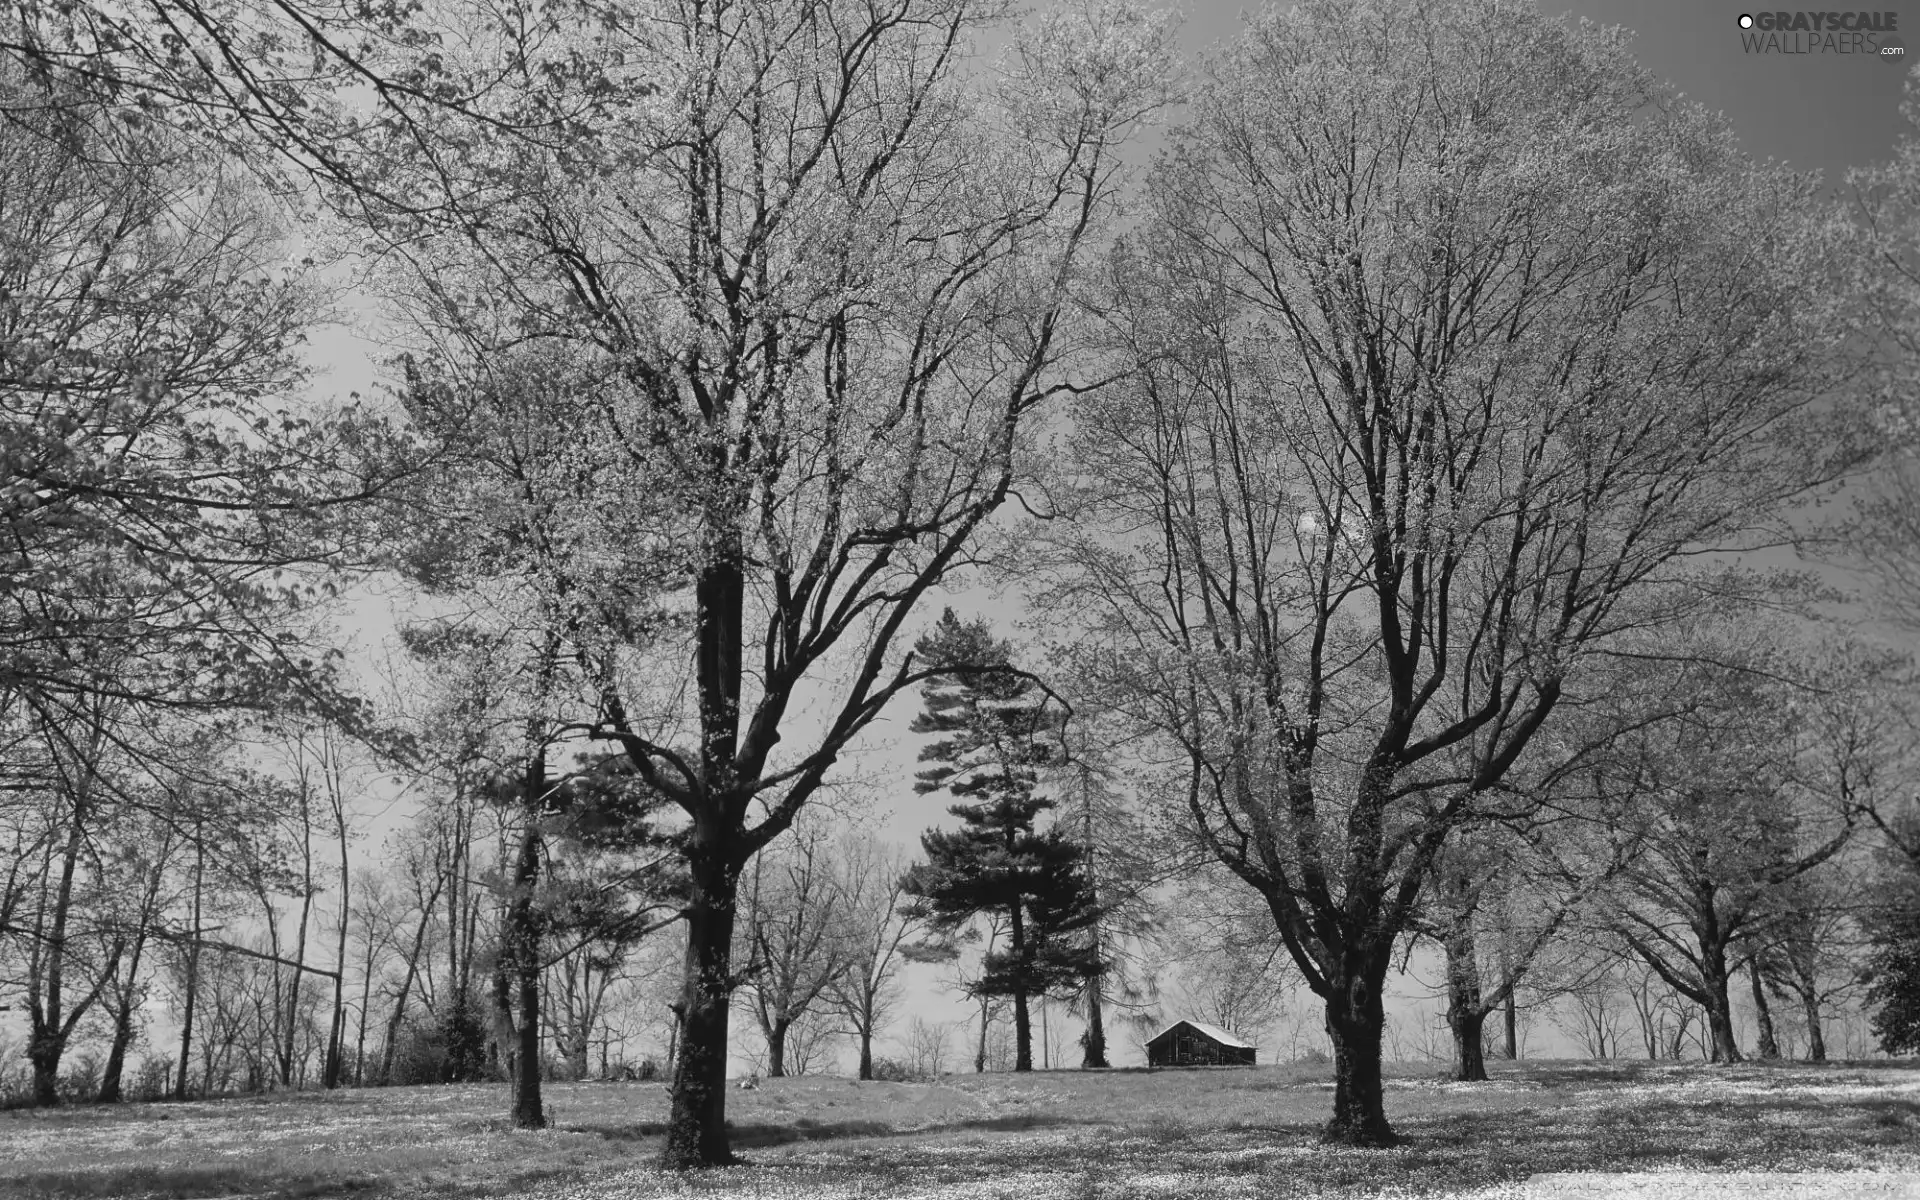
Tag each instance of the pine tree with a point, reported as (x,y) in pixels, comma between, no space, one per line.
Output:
(996,733)
(1892,971)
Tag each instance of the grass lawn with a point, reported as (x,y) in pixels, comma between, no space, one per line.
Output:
(1225,1133)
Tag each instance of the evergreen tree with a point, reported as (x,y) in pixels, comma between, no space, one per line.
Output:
(1892,970)
(996,733)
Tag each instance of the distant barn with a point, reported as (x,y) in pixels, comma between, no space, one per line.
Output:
(1198,1044)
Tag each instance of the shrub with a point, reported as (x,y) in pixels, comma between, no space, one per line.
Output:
(152,1079)
(80,1082)
(451,1049)
(892,1070)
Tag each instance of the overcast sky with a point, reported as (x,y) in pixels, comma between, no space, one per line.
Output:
(1817,111)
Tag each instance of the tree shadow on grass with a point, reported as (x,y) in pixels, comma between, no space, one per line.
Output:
(761,1134)
(1760,1132)
(182,1183)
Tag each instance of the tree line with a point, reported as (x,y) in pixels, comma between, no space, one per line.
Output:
(1390,459)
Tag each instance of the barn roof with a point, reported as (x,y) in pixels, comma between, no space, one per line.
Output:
(1213,1031)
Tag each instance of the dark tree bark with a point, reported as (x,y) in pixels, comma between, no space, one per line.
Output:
(1469,1029)
(866,1053)
(777,1048)
(1022,1018)
(116,1065)
(980,1047)
(522,934)
(1466,1008)
(193,960)
(124,1004)
(125,993)
(1357,1020)
(1726,1047)
(1816,1039)
(697,1122)
(1765,1044)
(51,1020)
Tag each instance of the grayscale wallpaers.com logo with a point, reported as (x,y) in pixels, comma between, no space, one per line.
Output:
(1868,34)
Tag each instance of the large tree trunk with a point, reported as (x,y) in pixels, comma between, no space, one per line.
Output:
(1816,1040)
(128,1000)
(1022,1018)
(110,1088)
(697,1122)
(1466,1014)
(1766,1045)
(777,1047)
(1725,1047)
(523,936)
(1357,1019)
(866,1051)
(43,1051)
(528,1110)
(1469,1055)
(1022,1032)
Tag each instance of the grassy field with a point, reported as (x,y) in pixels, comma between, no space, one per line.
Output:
(1844,1131)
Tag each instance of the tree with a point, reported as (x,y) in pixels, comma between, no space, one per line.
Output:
(1499,900)
(793,927)
(426,880)
(500,528)
(1814,947)
(823,286)
(170,508)
(996,731)
(285,83)
(1735,801)
(1891,971)
(1123,862)
(606,890)
(1882,538)
(878,926)
(1229,965)
(1446,359)
(1893,976)
(148,868)
(68,961)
